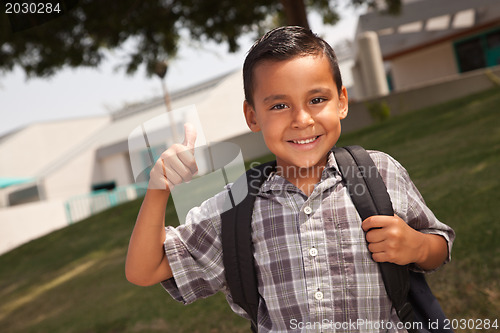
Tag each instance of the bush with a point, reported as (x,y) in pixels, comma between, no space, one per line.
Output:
(379,111)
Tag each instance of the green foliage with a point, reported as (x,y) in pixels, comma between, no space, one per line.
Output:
(379,111)
(392,7)
(151,29)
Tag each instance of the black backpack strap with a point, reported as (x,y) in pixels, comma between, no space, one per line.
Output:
(369,195)
(237,246)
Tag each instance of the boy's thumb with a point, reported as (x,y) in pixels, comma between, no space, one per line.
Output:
(189,135)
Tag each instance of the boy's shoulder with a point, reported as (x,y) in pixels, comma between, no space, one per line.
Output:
(393,173)
(384,161)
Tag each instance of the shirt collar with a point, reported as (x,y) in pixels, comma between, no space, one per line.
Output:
(277,183)
(331,167)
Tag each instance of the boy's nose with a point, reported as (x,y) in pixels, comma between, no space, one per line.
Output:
(302,118)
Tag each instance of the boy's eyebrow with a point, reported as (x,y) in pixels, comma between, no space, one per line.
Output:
(272,98)
(320,90)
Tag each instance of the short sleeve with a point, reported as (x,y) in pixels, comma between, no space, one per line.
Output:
(408,202)
(194,252)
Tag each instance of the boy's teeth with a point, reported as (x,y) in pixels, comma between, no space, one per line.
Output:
(302,142)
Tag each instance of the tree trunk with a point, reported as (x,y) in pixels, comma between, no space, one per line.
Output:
(295,12)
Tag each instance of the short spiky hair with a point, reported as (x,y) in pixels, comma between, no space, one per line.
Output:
(285,43)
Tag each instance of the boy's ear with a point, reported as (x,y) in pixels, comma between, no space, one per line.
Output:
(250,117)
(343,103)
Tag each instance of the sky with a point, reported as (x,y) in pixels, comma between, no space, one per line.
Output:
(84,92)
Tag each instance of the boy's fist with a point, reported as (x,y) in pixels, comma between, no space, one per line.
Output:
(390,239)
(176,164)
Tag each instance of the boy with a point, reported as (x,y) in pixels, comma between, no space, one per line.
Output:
(313,265)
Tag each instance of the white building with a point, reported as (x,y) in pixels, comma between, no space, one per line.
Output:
(433,40)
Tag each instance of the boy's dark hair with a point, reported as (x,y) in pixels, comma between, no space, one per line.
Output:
(285,43)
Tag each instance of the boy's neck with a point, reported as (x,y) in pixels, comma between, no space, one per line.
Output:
(304,178)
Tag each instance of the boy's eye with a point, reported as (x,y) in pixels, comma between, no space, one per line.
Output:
(280,106)
(317,100)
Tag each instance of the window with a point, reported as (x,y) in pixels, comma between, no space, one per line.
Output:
(493,39)
(104,186)
(479,51)
(470,55)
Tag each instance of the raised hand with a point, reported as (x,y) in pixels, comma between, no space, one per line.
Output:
(176,164)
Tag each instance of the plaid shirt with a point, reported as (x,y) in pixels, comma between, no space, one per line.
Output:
(315,273)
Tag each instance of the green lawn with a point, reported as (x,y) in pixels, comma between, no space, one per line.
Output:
(452,153)
(73,280)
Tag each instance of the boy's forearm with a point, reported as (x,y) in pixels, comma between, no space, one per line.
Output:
(146,262)
(433,252)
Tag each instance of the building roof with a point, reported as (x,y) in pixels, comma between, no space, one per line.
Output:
(426,22)
(218,102)
(175,96)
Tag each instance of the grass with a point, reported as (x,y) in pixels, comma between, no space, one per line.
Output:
(73,279)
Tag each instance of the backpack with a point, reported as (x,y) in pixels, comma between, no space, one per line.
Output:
(408,290)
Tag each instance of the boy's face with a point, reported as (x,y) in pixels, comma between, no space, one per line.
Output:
(298,109)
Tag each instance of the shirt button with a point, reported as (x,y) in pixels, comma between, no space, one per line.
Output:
(308,210)
(318,295)
(313,252)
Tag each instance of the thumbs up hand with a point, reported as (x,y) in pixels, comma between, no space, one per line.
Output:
(176,164)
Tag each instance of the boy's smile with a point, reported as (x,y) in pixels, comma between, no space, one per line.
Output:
(298,109)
